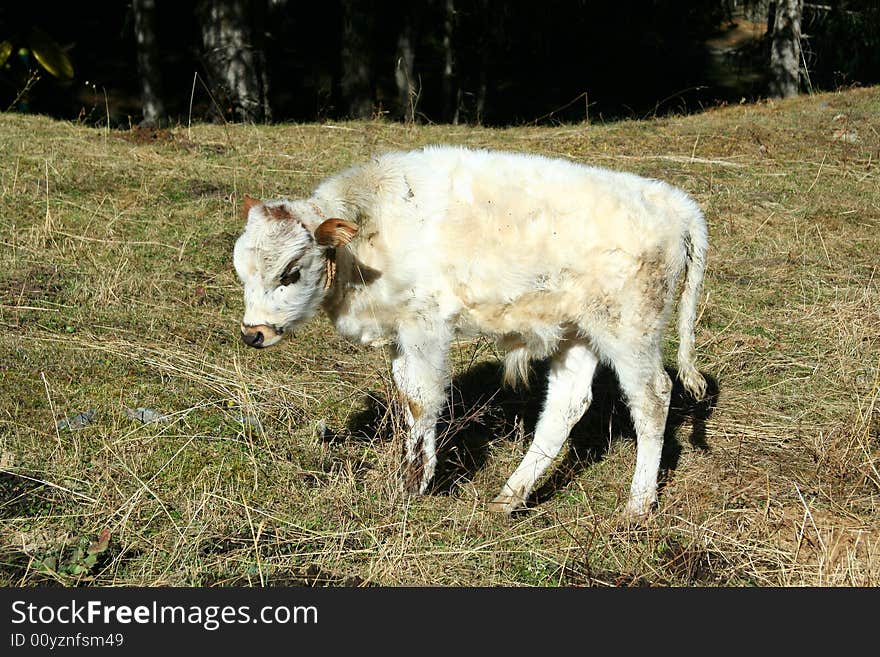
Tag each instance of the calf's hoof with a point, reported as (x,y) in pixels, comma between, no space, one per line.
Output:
(506,503)
(414,484)
(410,487)
(637,511)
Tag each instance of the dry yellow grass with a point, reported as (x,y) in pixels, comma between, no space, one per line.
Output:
(116,291)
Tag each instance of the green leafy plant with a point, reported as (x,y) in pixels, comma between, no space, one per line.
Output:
(81,559)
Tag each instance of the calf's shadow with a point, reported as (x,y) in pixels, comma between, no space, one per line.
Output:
(479,411)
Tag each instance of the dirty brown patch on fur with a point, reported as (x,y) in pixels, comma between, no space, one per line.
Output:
(657,407)
(653,283)
(415,408)
(413,469)
(278,213)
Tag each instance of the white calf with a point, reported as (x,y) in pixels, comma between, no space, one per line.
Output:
(548,257)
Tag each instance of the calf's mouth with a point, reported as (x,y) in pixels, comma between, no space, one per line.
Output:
(260,335)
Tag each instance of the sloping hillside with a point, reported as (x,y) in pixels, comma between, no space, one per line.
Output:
(117,292)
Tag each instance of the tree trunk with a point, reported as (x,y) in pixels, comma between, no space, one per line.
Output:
(148,62)
(450,96)
(481,92)
(404,71)
(357,69)
(785,49)
(234,59)
(483,87)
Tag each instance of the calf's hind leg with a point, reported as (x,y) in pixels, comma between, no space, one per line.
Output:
(569,394)
(648,389)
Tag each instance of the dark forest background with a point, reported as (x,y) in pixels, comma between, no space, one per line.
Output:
(456,61)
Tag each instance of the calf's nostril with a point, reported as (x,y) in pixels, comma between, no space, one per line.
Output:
(253,339)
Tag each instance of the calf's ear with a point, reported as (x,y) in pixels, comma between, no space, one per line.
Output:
(249,202)
(335,232)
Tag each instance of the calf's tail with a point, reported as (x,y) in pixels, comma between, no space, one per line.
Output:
(696,243)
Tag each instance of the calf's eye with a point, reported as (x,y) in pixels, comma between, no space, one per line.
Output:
(290,275)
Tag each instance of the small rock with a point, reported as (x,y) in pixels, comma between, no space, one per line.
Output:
(250,421)
(145,415)
(326,434)
(78,421)
(849,137)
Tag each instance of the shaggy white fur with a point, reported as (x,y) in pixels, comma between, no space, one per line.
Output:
(548,257)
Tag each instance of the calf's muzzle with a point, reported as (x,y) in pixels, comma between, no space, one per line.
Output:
(256,336)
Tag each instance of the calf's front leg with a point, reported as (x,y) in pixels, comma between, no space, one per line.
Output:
(419,367)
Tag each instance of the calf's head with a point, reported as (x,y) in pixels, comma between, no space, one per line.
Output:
(285,259)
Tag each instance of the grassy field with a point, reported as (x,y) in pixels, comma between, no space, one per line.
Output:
(117,292)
